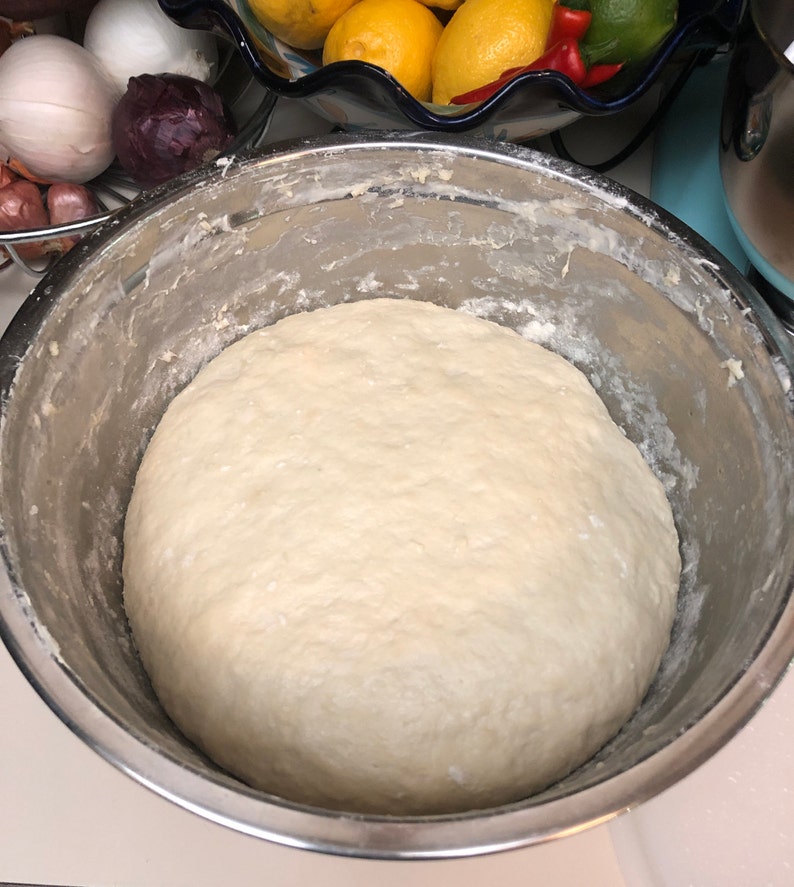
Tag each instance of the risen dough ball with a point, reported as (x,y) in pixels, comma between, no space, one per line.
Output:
(388,557)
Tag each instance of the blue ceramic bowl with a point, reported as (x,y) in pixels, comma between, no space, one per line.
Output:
(356,95)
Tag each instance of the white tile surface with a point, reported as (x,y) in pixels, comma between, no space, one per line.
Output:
(731,822)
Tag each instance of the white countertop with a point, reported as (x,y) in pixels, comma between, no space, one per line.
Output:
(69,818)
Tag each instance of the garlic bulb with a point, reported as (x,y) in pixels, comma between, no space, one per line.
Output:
(132,37)
(56,107)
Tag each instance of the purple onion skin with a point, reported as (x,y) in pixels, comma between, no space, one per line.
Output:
(167,124)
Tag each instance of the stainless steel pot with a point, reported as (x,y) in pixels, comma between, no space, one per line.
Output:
(689,360)
(757,142)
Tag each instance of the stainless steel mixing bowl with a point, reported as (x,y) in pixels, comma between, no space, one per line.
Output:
(688,359)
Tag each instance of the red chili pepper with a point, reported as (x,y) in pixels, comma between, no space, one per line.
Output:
(564,57)
(598,74)
(481,93)
(568,57)
(567,24)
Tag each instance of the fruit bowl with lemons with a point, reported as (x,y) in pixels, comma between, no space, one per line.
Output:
(507,69)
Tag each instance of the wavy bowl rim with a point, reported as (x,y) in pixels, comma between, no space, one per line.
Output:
(703,30)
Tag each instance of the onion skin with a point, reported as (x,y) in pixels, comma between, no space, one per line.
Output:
(7,175)
(56,107)
(168,124)
(21,208)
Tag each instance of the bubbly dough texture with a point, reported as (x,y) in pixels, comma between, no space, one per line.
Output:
(389,557)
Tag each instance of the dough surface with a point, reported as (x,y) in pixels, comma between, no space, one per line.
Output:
(389,557)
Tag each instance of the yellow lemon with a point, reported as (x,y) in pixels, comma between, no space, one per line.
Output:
(399,36)
(303,24)
(486,37)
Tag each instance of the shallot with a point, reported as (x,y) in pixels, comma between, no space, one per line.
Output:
(56,106)
(21,208)
(70,203)
(132,37)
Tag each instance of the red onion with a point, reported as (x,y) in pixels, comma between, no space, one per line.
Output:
(167,124)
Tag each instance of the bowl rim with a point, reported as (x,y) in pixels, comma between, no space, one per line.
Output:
(382,837)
